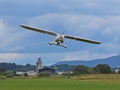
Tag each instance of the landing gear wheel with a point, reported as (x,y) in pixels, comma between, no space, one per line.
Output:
(50,43)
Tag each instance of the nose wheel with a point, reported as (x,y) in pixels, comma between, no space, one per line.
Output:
(51,43)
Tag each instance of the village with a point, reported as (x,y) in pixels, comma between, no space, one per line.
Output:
(53,70)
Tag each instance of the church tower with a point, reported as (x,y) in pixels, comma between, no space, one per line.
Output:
(38,65)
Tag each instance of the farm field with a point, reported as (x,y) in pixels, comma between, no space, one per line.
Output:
(86,82)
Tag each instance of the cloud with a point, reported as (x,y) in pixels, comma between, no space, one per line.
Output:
(86,55)
(80,24)
(113,25)
(51,58)
(103,28)
(111,47)
(92,19)
(24,58)
(86,7)
(9,56)
(83,25)
(92,5)
(9,37)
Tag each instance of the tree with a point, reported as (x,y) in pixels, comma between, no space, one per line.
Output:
(2,71)
(80,69)
(28,65)
(118,71)
(103,68)
(92,71)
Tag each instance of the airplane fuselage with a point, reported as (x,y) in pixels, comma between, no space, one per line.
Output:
(59,39)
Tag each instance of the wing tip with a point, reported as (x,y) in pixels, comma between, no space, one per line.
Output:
(21,25)
(98,43)
(94,42)
(24,26)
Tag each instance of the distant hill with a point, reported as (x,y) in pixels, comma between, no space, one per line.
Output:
(112,61)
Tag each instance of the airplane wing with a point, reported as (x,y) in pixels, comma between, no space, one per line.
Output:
(82,39)
(39,30)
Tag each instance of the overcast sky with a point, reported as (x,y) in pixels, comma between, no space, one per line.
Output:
(93,19)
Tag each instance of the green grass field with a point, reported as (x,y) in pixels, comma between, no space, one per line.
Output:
(87,82)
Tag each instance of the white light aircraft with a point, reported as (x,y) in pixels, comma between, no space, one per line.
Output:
(59,37)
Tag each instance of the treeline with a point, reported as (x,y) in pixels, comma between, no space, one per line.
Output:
(82,69)
(14,67)
(99,69)
(11,68)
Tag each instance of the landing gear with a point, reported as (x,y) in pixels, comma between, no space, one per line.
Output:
(52,43)
(63,46)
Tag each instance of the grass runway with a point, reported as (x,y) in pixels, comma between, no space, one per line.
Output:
(88,82)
